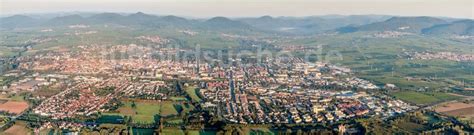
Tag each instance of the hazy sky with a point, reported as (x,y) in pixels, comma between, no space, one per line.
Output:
(241,8)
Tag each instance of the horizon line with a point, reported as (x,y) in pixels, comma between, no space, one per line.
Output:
(32,14)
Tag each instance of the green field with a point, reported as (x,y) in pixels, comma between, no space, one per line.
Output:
(145,111)
(167,108)
(192,93)
(382,60)
(17,97)
(424,97)
(178,98)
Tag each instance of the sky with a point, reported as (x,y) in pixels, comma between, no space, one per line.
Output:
(248,8)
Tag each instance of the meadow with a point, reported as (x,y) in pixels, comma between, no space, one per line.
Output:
(144,111)
(423,98)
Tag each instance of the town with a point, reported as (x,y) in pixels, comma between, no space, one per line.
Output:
(285,90)
(143,74)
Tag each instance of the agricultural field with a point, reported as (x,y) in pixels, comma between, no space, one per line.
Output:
(19,128)
(463,110)
(13,103)
(382,60)
(15,107)
(423,98)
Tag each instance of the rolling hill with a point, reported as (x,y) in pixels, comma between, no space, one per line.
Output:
(463,27)
(267,24)
(224,23)
(403,24)
(18,21)
(310,25)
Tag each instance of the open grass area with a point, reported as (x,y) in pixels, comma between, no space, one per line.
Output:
(141,112)
(424,97)
(415,97)
(17,97)
(192,92)
(167,108)
(144,111)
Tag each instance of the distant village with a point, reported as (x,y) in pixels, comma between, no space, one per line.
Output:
(443,56)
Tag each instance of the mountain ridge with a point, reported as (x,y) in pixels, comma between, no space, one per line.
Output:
(281,25)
